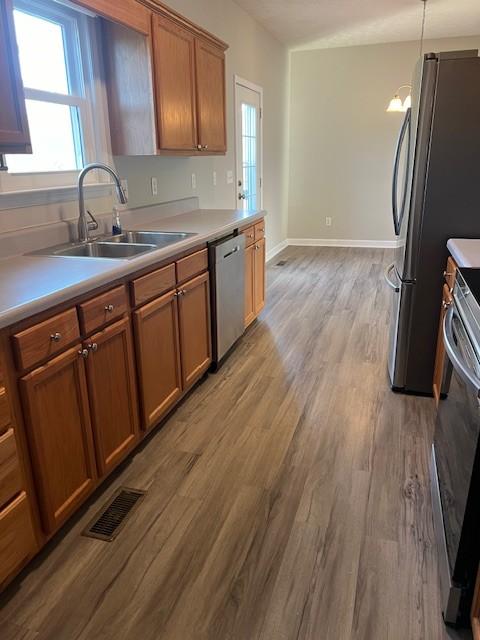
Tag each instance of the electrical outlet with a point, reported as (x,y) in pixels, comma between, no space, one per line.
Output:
(328,221)
(124,184)
(154,187)
(229,177)
(214,178)
(194,181)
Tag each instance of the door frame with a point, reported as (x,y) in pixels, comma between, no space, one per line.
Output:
(239,81)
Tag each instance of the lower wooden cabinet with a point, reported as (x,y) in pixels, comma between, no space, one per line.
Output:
(259,289)
(254,280)
(158,353)
(59,435)
(17,540)
(195,329)
(112,394)
(250,314)
(449,275)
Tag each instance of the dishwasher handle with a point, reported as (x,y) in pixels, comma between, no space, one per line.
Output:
(230,253)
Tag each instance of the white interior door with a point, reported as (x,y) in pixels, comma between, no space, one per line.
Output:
(248,119)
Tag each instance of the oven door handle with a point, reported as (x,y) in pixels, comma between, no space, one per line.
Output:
(454,354)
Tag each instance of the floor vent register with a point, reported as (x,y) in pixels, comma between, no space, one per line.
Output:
(112,518)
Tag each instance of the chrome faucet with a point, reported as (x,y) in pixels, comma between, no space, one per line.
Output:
(84,226)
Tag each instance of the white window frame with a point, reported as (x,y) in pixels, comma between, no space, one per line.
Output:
(90,97)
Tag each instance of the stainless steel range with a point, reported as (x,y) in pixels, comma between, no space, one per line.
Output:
(455,464)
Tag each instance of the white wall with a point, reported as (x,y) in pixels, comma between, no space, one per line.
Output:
(256,56)
(342,140)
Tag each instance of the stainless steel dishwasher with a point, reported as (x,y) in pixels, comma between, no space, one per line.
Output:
(227,273)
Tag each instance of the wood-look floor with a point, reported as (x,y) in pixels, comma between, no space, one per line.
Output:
(287,499)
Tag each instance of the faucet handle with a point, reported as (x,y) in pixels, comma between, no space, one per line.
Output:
(93,225)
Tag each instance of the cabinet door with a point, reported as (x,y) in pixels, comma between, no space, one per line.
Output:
(210,68)
(259,301)
(112,393)
(59,435)
(250,253)
(158,357)
(174,64)
(14,134)
(440,355)
(195,330)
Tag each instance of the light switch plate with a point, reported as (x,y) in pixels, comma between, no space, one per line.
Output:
(154,187)
(229,177)
(214,178)
(194,181)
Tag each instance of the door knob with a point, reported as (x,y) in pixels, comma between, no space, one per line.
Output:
(83,353)
(93,346)
(109,308)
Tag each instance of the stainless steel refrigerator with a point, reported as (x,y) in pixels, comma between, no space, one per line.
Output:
(435,196)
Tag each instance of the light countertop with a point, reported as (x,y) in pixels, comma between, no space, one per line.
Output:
(465,252)
(31,284)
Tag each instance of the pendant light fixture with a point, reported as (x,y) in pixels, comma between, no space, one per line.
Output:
(396,104)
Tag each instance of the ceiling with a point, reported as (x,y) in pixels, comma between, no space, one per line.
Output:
(337,23)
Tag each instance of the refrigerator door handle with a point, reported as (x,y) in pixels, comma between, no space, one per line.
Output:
(391,284)
(397,216)
(454,353)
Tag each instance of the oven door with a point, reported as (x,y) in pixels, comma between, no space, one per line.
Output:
(456,438)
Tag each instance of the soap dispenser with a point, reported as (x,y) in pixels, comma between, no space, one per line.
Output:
(116,222)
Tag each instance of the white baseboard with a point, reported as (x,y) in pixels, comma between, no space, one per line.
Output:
(331,242)
(276,249)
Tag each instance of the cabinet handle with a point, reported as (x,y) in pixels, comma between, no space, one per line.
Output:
(109,308)
(93,346)
(83,353)
(199,147)
(184,292)
(56,337)
(205,147)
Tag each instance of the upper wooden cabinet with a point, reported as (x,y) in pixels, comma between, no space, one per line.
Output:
(166,89)
(14,133)
(174,65)
(210,77)
(127,12)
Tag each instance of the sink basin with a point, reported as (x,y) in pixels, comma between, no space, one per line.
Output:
(157,238)
(98,250)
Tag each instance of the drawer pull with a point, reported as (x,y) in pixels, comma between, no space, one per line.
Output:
(55,337)
(109,308)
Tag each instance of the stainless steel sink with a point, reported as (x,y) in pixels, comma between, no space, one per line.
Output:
(125,246)
(99,249)
(157,238)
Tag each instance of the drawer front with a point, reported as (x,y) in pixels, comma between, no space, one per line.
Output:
(192,265)
(10,475)
(259,230)
(17,541)
(103,309)
(153,284)
(4,410)
(249,236)
(45,339)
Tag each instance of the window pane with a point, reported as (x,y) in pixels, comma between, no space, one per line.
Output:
(56,139)
(42,53)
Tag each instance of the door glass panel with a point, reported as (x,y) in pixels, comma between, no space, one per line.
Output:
(249,148)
